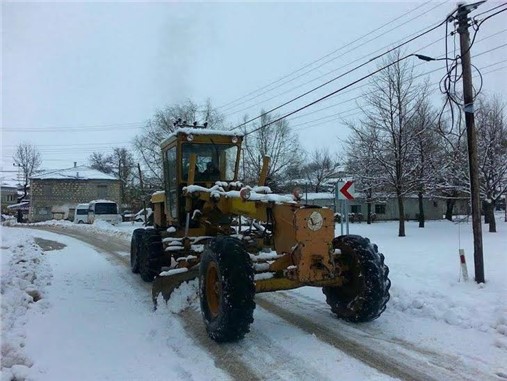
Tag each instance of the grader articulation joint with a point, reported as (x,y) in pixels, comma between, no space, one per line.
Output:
(239,240)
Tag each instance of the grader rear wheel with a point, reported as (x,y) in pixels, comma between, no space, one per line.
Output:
(135,244)
(150,250)
(364,295)
(226,289)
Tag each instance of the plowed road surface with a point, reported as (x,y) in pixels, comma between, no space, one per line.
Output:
(293,337)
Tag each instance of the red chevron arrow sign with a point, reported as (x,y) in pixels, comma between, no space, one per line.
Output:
(346,191)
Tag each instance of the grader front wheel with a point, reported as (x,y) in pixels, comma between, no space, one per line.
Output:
(365,292)
(150,250)
(226,289)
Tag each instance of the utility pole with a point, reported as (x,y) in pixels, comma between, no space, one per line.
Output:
(468,107)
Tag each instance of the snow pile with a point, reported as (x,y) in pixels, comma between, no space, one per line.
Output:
(466,307)
(25,276)
(183,297)
(122,230)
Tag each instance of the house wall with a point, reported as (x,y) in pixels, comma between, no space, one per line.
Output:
(9,197)
(434,209)
(54,196)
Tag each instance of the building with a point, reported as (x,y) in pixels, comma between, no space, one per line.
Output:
(387,209)
(55,194)
(9,194)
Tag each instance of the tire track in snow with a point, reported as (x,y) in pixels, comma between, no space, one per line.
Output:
(393,357)
(382,362)
(265,356)
(227,360)
(225,355)
(458,367)
(397,361)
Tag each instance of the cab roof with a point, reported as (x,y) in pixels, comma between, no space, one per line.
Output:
(198,131)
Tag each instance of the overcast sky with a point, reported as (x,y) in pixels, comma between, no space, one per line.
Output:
(85,77)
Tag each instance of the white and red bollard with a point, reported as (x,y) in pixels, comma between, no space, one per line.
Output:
(463,263)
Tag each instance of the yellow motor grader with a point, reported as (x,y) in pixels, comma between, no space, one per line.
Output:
(242,240)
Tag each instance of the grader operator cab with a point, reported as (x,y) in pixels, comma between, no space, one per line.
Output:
(242,240)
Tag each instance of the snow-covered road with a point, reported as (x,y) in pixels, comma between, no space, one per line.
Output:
(94,320)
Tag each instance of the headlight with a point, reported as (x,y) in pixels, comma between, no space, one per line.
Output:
(297,193)
(245,194)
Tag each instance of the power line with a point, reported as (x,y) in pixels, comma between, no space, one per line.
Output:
(489,10)
(312,112)
(326,56)
(332,71)
(306,93)
(296,127)
(328,95)
(324,75)
(98,127)
(74,128)
(332,116)
(494,14)
(341,75)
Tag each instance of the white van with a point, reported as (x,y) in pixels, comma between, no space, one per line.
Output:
(81,214)
(103,210)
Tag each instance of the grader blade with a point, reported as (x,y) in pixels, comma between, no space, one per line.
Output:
(166,284)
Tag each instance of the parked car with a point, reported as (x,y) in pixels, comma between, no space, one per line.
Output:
(127,215)
(139,216)
(81,214)
(103,210)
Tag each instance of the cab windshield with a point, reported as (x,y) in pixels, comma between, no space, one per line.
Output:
(214,161)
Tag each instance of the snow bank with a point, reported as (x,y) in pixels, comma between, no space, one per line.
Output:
(425,274)
(25,276)
(122,230)
(185,296)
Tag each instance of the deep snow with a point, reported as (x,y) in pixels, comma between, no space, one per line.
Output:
(91,322)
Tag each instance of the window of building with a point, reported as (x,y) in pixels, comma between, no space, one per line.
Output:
(47,189)
(102,191)
(380,208)
(355,208)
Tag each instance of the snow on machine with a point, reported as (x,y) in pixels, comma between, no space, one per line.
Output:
(241,240)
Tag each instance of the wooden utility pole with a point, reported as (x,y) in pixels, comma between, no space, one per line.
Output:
(468,97)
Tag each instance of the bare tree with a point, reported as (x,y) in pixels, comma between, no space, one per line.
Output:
(276,141)
(426,151)
(362,164)
(452,175)
(147,144)
(121,164)
(492,150)
(28,158)
(101,162)
(385,130)
(322,166)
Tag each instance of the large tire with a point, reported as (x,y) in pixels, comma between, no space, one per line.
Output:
(135,247)
(226,289)
(364,295)
(149,254)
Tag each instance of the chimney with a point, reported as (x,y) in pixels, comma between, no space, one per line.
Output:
(75,164)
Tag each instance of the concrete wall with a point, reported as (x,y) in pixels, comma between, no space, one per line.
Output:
(9,197)
(434,209)
(50,198)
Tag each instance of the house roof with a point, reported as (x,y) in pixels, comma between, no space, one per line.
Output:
(74,173)
(11,186)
